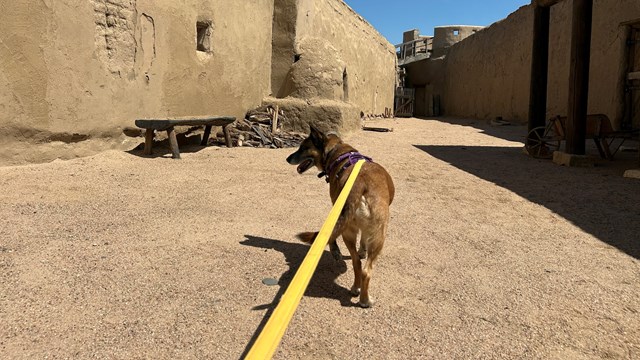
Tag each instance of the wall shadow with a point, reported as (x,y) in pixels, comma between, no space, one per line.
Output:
(323,283)
(598,200)
(514,132)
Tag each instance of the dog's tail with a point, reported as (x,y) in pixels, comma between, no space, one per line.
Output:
(307,237)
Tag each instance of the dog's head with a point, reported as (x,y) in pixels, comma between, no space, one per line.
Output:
(311,151)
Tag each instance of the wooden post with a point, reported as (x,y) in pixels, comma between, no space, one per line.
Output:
(579,77)
(539,68)
(148,141)
(205,136)
(227,135)
(173,143)
(274,122)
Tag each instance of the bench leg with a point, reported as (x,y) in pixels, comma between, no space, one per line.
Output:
(227,135)
(606,146)
(148,141)
(601,148)
(205,137)
(173,143)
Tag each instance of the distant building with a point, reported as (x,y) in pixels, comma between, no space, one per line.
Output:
(419,60)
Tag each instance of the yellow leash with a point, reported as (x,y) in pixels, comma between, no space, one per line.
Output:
(272,333)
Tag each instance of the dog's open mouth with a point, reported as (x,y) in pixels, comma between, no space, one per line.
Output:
(305,165)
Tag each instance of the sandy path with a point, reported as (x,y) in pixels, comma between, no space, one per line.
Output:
(490,254)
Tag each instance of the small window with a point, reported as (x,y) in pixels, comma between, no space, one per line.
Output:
(296,58)
(203,39)
(345,86)
(456,32)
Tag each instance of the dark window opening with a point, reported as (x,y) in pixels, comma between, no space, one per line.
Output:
(456,32)
(345,86)
(203,37)
(296,58)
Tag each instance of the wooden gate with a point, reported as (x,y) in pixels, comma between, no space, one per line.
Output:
(404,102)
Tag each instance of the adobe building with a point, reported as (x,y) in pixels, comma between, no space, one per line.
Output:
(75,75)
(488,74)
(421,61)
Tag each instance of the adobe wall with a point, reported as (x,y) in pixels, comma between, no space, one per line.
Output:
(285,15)
(73,74)
(332,27)
(608,57)
(487,75)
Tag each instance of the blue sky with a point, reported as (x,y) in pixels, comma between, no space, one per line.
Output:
(391,18)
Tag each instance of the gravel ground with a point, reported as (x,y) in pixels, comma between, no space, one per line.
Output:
(490,254)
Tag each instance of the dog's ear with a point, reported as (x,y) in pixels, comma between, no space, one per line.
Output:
(317,137)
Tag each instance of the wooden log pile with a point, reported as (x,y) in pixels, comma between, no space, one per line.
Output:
(261,128)
(388,113)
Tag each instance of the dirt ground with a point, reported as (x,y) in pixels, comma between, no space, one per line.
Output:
(490,254)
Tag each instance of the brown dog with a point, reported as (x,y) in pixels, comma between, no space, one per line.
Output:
(366,209)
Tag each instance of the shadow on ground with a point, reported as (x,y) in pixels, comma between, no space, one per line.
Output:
(186,143)
(510,131)
(323,283)
(598,200)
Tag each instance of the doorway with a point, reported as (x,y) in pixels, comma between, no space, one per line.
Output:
(632,79)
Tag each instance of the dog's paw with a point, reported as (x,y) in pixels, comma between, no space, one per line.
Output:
(365,304)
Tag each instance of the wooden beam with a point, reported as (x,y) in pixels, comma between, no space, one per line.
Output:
(148,141)
(173,143)
(579,76)
(205,136)
(227,135)
(539,68)
(544,3)
(274,121)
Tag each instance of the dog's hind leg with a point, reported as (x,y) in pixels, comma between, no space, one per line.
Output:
(350,236)
(362,250)
(373,240)
(338,230)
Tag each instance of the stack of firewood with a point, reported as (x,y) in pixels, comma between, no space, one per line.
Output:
(261,128)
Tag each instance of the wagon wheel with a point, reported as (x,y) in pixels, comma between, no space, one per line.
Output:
(542,146)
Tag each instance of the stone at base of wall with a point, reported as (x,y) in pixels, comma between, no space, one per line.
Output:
(327,115)
(562,158)
(632,173)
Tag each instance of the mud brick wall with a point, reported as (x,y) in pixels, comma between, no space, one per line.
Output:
(75,74)
(115,39)
(487,74)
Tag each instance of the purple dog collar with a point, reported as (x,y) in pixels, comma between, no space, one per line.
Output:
(353,157)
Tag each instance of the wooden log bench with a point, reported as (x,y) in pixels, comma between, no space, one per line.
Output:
(152,125)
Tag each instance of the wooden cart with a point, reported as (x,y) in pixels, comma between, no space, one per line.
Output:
(542,141)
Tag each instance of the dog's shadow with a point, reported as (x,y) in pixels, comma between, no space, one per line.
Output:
(323,283)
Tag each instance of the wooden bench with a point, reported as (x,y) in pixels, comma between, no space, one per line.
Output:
(152,125)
